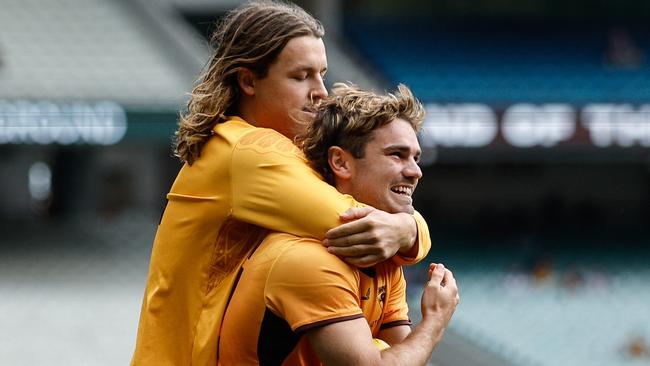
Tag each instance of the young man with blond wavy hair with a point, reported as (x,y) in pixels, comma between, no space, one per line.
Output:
(295,303)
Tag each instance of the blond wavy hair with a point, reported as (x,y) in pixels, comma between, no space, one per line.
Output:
(249,37)
(347,117)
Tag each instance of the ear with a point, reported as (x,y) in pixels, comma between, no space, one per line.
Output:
(341,162)
(246,81)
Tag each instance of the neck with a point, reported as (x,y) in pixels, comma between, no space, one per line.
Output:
(245,111)
(343,186)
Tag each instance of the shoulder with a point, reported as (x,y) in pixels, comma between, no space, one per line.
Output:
(267,139)
(255,147)
(308,251)
(309,258)
(237,130)
(264,141)
(302,248)
(309,287)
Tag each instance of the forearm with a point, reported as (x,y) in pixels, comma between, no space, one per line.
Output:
(416,348)
(278,191)
(350,343)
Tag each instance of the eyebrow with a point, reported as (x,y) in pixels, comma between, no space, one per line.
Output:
(401,148)
(308,69)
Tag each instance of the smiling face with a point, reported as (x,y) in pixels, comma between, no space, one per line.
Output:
(294,81)
(387,174)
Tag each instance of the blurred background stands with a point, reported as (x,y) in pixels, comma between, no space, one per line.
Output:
(536,188)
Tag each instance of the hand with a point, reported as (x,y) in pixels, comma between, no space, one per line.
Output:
(440,295)
(370,236)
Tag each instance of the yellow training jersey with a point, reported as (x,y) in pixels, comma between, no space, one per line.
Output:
(246,179)
(291,285)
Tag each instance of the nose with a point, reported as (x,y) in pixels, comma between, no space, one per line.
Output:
(318,91)
(412,170)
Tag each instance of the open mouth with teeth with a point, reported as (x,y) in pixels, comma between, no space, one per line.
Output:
(407,191)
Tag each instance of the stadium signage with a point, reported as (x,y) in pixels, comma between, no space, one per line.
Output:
(530,125)
(46,122)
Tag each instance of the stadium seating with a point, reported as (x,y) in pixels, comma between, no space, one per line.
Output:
(583,311)
(64,50)
(500,64)
(72,288)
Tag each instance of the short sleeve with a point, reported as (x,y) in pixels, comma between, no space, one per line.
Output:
(423,243)
(309,287)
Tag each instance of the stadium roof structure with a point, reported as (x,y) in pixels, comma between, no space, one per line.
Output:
(140,56)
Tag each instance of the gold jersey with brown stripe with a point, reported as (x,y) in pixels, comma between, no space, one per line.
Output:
(290,285)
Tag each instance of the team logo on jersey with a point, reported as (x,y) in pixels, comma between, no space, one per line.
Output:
(366,296)
(381,296)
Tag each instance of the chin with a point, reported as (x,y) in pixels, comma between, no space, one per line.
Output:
(405,209)
(399,209)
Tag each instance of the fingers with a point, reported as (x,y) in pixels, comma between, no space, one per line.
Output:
(374,236)
(363,255)
(450,285)
(347,229)
(449,280)
(436,274)
(355,213)
(350,240)
(354,251)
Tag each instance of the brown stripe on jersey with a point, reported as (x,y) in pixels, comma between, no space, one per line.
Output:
(322,323)
(395,324)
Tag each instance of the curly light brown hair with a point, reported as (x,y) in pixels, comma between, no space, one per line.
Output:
(347,117)
(251,37)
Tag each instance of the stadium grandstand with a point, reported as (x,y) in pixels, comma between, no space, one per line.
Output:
(536,166)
